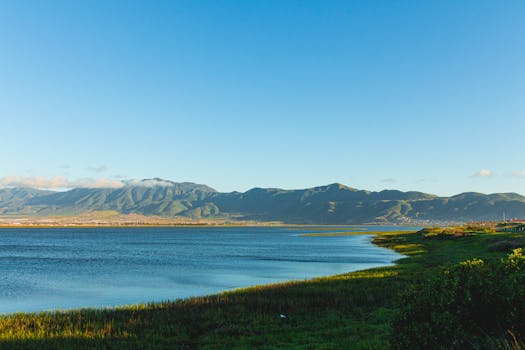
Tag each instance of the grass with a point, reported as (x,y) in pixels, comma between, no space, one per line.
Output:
(348,311)
(354,232)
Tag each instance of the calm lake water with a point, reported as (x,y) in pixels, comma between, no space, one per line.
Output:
(43,269)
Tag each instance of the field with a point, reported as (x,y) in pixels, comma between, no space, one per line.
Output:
(350,311)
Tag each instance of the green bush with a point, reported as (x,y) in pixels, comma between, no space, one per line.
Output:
(506,245)
(472,305)
(441,233)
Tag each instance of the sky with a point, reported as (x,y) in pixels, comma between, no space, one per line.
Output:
(408,95)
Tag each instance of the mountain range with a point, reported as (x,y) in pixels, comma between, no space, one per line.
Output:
(330,204)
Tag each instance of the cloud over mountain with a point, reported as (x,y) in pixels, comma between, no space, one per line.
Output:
(57,182)
(149,183)
(483,173)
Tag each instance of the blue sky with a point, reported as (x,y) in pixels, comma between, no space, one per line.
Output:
(411,95)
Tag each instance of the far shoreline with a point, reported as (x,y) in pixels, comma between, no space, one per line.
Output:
(198,225)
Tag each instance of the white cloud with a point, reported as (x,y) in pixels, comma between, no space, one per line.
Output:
(149,183)
(389,180)
(61,182)
(483,173)
(57,182)
(98,169)
(97,183)
(520,173)
(34,181)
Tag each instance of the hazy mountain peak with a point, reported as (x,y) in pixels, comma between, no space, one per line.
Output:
(468,195)
(336,186)
(158,182)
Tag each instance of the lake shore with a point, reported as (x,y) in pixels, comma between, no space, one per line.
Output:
(115,219)
(175,224)
(352,310)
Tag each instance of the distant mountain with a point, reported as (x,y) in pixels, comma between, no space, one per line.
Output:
(331,204)
(148,197)
(14,200)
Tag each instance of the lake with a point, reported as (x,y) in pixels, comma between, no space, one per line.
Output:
(61,268)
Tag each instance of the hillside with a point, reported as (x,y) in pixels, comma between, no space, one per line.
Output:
(330,204)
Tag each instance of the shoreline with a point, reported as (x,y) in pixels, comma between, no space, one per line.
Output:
(196,225)
(324,312)
(373,236)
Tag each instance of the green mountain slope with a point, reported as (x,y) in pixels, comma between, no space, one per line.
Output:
(14,200)
(148,197)
(330,204)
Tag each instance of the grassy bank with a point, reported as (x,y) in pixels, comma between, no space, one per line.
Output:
(350,311)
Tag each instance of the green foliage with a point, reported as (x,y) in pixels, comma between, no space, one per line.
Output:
(477,229)
(506,245)
(350,311)
(471,305)
(441,233)
(455,232)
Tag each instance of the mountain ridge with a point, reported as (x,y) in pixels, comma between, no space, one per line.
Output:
(328,204)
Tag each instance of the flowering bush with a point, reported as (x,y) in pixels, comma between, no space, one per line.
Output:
(474,304)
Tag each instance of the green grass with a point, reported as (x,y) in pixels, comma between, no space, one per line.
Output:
(353,232)
(348,311)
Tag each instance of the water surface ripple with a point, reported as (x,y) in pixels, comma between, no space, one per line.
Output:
(61,268)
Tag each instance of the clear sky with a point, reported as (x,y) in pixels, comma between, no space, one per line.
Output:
(409,95)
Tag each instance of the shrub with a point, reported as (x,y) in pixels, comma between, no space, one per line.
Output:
(441,233)
(506,245)
(472,305)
